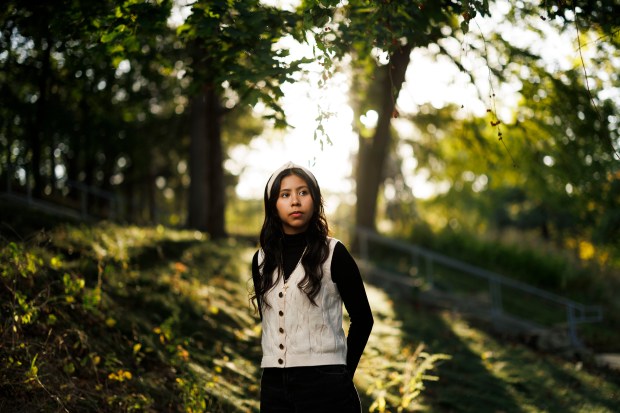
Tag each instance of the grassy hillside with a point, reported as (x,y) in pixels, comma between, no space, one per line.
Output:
(109,318)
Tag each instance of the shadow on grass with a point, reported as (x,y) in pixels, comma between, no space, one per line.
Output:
(568,390)
(465,384)
(195,305)
(488,374)
(152,256)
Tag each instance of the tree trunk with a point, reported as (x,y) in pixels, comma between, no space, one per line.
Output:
(215,167)
(207,201)
(373,152)
(75,157)
(39,125)
(197,217)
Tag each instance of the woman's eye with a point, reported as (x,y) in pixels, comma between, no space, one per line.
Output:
(303,193)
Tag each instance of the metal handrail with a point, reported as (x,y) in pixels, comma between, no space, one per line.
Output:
(576,313)
(84,191)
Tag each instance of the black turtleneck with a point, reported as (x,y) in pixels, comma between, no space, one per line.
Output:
(293,247)
(346,275)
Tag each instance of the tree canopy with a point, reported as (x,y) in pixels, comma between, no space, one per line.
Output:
(113,96)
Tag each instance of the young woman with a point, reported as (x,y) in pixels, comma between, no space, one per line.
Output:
(302,277)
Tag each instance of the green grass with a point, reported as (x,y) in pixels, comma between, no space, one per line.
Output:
(602,336)
(111,318)
(489,375)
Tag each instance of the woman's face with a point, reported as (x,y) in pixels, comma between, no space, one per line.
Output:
(295,205)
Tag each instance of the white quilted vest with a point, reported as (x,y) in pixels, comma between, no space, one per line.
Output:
(298,333)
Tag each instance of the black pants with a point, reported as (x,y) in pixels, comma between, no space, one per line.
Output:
(320,389)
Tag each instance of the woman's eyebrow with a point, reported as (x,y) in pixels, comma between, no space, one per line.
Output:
(297,189)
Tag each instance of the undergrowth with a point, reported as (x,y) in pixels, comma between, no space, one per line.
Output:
(110,318)
(121,319)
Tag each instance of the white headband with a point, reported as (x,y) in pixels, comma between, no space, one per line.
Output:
(288,165)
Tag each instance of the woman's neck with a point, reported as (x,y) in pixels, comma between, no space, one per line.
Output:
(295,239)
(294,246)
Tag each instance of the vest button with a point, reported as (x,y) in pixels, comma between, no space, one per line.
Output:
(280,361)
(281,330)
(281,294)
(281,346)
(281,313)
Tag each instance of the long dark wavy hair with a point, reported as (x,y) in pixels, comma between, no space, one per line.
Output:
(272,235)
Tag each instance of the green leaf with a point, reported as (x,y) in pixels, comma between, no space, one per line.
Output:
(108,37)
(185,29)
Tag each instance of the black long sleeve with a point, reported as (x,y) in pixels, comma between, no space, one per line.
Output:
(346,275)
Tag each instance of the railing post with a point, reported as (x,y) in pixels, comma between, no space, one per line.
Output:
(112,213)
(495,290)
(415,262)
(9,175)
(572,327)
(430,277)
(83,202)
(28,188)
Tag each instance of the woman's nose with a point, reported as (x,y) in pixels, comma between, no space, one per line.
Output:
(295,200)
